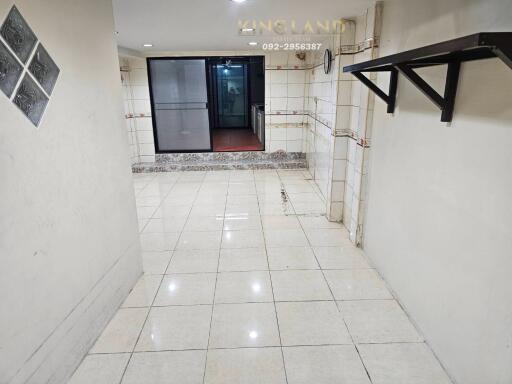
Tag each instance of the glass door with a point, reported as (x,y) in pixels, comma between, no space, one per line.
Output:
(180,104)
(236,84)
(232,96)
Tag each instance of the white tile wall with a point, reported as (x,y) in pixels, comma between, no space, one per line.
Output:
(339,127)
(285,91)
(321,102)
(360,102)
(138,109)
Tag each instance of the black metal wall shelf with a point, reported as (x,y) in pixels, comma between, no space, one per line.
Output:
(453,52)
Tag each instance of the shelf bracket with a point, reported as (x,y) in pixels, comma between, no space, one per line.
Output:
(445,103)
(390,98)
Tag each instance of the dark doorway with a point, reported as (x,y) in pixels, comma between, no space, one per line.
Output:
(238,93)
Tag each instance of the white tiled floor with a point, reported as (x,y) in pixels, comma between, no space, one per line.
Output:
(247,282)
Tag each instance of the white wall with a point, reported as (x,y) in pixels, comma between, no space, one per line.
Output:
(285,91)
(69,249)
(439,224)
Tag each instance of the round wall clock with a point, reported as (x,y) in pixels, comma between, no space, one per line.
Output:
(327,61)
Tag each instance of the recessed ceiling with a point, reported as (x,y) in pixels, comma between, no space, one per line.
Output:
(213,25)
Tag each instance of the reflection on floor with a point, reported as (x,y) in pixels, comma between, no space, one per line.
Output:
(245,281)
(235,139)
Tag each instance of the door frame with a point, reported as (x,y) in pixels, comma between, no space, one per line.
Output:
(152,102)
(209,95)
(212,63)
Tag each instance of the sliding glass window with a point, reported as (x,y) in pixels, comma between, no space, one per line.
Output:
(180,104)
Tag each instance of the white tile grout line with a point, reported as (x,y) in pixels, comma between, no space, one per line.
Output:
(216,279)
(149,309)
(154,297)
(258,347)
(272,289)
(337,302)
(337,306)
(201,182)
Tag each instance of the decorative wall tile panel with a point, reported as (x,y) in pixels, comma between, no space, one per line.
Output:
(18,35)
(10,71)
(44,69)
(31,100)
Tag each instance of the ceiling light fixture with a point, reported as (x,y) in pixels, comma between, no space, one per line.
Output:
(253,43)
(246,30)
(237,1)
(147,45)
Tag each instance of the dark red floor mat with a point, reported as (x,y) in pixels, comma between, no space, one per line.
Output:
(235,140)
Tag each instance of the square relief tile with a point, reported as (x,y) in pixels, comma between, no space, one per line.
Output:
(10,71)
(30,100)
(18,35)
(44,69)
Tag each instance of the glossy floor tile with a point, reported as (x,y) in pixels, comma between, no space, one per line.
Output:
(143,294)
(122,332)
(175,328)
(101,369)
(186,289)
(411,363)
(243,259)
(172,367)
(311,323)
(244,325)
(357,284)
(243,287)
(300,285)
(378,321)
(246,281)
(155,263)
(327,364)
(246,365)
(282,258)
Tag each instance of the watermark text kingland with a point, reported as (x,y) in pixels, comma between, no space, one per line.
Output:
(290,27)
